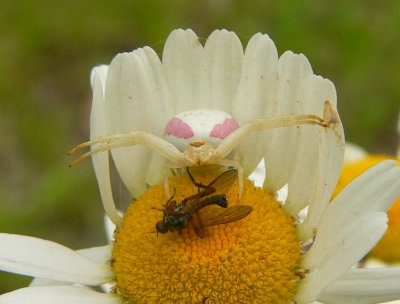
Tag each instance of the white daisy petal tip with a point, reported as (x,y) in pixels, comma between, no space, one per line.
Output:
(264,43)
(221,33)
(48,260)
(100,255)
(180,34)
(99,71)
(297,61)
(364,286)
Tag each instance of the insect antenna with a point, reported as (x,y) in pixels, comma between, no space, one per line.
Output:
(172,197)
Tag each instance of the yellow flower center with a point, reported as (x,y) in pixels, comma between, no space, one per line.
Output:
(252,260)
(388,248)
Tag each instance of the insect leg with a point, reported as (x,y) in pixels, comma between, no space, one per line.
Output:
(197,184)
(198,225)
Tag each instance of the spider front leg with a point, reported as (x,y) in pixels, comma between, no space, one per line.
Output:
(112,142)
(330,117)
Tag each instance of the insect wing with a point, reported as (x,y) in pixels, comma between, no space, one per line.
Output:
(223,182)
(197,204)
(224,216)
(220,185)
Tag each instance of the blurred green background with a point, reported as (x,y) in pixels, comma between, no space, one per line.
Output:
(47,49)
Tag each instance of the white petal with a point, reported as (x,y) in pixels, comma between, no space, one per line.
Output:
(330,162)
(162,98)
(318,154)
(40,258)
(224,55)
(58,295)
(109,228)
(256,97)
(98,128)
(292,71)
(374,190)
(45,282)
(133,102)
(353,153)
(364,286)
(258,175)
(281,196)
(337,252)
(100,254)
(186,70)
(100,72)
(258,80)
(163,110)
(373,263)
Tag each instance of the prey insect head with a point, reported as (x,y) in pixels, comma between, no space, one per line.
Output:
(162,227)
(173,222)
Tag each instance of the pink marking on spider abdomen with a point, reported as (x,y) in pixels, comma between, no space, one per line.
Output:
(223,130)
(178,128)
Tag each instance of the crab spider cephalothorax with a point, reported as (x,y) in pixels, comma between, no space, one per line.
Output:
(202,137)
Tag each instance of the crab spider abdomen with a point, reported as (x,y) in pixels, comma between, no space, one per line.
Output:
(201,125)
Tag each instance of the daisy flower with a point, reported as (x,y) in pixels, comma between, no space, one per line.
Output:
(267,257)
(357,161)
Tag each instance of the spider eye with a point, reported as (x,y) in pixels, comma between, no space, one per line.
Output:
(162,227)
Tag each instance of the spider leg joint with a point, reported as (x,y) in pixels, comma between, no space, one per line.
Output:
(330,115)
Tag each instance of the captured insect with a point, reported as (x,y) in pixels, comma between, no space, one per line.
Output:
(202,137)
(186,213)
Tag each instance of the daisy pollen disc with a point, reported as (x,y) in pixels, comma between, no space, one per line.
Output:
(247,261)
(211,125)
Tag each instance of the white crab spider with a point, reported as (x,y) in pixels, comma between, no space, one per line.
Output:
(202,137)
